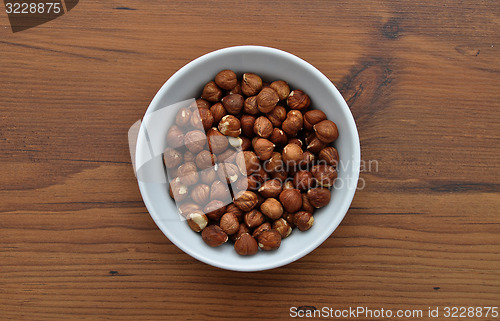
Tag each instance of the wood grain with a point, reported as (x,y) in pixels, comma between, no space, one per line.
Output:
(421,78)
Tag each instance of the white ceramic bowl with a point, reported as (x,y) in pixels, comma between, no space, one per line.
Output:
(270,64)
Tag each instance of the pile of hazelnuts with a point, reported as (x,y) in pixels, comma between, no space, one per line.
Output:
(249,161)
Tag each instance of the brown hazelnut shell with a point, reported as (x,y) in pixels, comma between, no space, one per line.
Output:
(246,245)
(214,236)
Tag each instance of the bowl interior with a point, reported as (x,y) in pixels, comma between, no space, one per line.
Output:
(271,64)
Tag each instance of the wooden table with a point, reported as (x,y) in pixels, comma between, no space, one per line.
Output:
(422,79)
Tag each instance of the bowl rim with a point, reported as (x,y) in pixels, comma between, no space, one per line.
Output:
(346,202)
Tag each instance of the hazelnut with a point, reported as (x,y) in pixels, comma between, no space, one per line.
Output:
(175,136)
(269,240)
(293,122)
(197,221)
(215,209)
(277,115)
(200,194)
(296,141)
(281,88)
(263,127)
(291,200)
(247,162)
(324,174)
(254,182)
(211,92)
(246,245)
(281,175)
(230,126)
(330,156)
(306,205)
(303,220)
(236,89)
(229,223)
(250,183)
(303,180)
(207,176)
(278,137)
(312,117)
(251,84)
(271,188)
(189,157)
(267,100)
(229,156)
(261,175)
(241,230)
(188,174)
(182,117)
(226,79)
(214,235)
(216,141)
(283,227)
(202,118)
(202,103)
(261,228)
(171,158)
(246,200)
(247,124)
(253,218)
(188,208)
(307,158)
(326,131)
(204,159)
(263,148)
(177,190)
(245,183)
(228,172)
(231,208)
(254,140)
(195,120)
(218,111)
(233,103)
(292,154)
(195,141)
(309,136)
(235,141)
(250,106)
(272,208)
(319,196)
(220,191)
(246,143)
(275,163)
(289,218)
(316,145)
(298,100)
